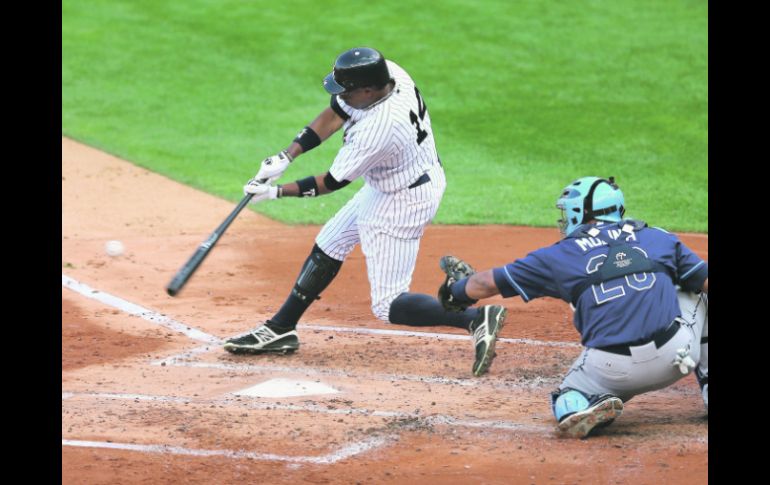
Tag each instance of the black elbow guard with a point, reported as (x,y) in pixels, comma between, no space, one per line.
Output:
(307,139)
(332,184)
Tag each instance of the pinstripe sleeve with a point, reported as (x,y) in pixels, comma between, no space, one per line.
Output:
(363,148)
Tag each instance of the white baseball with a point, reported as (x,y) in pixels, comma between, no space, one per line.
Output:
(114,248)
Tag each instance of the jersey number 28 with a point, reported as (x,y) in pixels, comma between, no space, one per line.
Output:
(636,281)
(422,109)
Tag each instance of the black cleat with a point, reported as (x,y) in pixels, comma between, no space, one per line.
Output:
(263,340)
(485,328)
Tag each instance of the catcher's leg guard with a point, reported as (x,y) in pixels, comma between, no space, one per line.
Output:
(579,414)
(318,271)
(566,402)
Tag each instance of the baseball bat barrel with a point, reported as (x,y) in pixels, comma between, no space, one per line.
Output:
(186,272)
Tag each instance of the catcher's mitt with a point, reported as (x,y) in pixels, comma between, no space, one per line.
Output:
(455,269)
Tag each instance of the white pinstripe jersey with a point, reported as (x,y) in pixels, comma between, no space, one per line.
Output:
(389,143)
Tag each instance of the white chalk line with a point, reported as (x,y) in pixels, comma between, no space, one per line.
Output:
(183,357)
(410,419)
(530,383)
(134,309)
(534,383)
(431,419)
(196,334)
(440,336)
(343,453)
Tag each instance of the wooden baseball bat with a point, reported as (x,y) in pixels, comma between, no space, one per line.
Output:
(184,274)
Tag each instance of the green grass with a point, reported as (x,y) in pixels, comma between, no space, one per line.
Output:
(525,96)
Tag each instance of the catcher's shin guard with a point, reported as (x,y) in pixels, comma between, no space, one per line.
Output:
(579,415)
(566,402)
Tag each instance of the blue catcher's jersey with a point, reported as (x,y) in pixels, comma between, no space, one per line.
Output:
(618,311)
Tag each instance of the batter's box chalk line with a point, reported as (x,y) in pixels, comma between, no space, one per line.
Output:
(343,453)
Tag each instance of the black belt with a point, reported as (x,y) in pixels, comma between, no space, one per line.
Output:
(424,179)
(659,338)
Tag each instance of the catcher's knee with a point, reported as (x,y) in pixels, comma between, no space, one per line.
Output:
(568,401)
(318,271)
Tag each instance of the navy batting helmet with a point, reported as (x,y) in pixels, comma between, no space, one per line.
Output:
(357,68)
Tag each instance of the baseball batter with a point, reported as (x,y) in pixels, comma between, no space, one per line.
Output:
(388,141)
(639,296)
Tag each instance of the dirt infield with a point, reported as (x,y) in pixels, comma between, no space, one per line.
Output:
(149,396)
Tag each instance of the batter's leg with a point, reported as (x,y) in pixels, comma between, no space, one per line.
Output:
(318,271)
(390,263)
(419,310)
(336,240)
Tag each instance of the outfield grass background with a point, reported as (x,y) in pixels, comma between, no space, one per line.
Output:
(525,96)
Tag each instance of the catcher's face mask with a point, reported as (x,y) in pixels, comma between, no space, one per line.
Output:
(570,205)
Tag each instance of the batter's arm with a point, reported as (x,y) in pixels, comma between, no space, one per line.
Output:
(311,186)
(325,125)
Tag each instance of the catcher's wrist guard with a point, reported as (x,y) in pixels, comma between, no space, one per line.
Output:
(453,297)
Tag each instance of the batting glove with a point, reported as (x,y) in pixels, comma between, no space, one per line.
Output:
(273,167)
(261,191)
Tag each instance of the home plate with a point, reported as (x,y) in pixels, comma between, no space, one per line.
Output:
(286,388)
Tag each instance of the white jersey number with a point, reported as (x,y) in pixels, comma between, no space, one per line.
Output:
(637,281)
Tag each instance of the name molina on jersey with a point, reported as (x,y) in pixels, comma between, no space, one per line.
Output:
(588,243)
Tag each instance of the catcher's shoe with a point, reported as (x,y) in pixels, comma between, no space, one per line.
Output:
(485,328)
(263,340)
(600,414)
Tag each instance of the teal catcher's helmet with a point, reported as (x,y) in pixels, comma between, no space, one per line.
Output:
(589,198)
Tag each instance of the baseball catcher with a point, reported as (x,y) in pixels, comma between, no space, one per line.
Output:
(639,294)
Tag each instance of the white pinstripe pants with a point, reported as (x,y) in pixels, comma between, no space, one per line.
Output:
(389,227)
